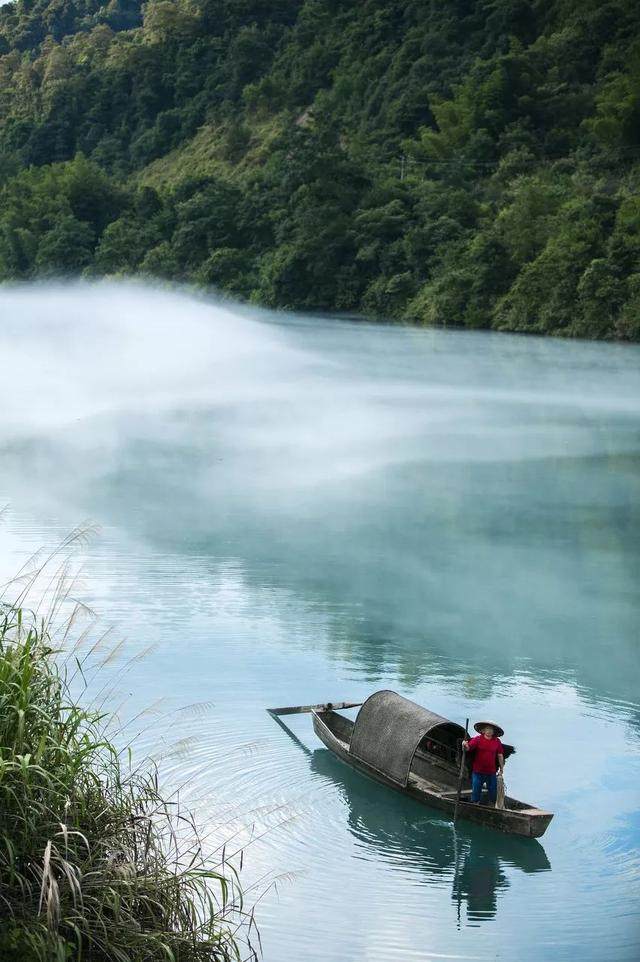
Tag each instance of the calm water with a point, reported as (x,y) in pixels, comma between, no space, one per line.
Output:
(295,510)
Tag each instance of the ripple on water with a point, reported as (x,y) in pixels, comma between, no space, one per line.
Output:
(309,508)
(303,816)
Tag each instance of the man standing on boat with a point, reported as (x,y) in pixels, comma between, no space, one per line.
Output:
(488,758)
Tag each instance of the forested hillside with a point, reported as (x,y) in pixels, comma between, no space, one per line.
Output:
(449,162)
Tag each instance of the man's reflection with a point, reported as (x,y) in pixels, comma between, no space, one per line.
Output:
(478,883)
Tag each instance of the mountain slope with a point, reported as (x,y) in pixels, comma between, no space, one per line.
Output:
(471,162)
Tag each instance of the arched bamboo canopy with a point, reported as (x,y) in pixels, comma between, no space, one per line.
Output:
(389,729)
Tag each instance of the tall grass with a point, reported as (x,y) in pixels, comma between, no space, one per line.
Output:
(95,865)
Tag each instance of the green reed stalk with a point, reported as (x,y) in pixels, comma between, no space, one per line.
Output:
(95,865)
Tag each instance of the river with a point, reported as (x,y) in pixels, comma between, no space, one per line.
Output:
(295,509)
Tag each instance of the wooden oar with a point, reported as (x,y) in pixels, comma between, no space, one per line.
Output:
(462,753)
(328,706)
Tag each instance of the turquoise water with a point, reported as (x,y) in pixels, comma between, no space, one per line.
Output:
(301,509)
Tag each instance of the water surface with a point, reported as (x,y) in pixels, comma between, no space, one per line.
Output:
(302,509)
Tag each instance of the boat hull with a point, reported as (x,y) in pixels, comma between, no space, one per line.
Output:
(524,820)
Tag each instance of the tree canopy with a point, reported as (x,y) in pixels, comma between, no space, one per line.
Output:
(450,162)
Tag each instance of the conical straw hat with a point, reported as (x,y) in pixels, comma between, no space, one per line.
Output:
(498,732)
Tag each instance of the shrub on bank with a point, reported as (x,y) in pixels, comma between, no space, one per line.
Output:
(95,865)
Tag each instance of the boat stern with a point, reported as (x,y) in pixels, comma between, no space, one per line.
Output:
(539,823)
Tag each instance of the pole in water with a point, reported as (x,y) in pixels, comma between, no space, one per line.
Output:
(460,773)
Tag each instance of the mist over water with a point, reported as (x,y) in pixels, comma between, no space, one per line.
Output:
(299,509)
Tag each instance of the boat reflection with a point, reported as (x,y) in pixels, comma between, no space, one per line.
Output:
(406,835)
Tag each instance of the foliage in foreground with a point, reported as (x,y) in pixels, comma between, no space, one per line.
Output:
(94,864)
(472,162)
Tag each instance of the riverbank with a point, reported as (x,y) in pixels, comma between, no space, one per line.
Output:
(96,862)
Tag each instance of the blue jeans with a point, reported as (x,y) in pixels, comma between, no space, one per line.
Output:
(478,780)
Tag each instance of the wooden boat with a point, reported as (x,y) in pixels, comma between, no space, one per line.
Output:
(417,752)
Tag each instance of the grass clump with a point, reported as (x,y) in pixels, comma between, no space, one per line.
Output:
(95,865)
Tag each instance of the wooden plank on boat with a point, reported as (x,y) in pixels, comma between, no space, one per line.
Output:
(327,706)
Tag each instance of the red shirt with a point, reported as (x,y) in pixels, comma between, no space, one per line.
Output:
(486,750)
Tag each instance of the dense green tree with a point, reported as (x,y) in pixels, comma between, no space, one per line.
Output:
(51,218)
(66,248)
(228,269)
